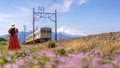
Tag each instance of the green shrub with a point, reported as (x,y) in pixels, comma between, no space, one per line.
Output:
(43,60)
(61,52)
(2,39)
(36,66)
(3,61)
(51,44)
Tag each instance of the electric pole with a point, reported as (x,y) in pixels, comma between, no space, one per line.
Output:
(24,33)
(55,25)
(33,25)
(41,14)
(60,35)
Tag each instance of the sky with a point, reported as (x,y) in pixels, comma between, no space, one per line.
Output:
(85,16)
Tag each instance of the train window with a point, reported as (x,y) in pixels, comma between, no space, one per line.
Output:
(49,31)
(43,31)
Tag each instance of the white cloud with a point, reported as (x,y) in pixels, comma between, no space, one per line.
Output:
(63,7)
(67,4)
(24,9)
(82,2)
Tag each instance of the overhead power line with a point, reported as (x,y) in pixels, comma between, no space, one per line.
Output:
(50,4)
(37,15)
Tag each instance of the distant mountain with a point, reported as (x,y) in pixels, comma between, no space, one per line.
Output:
(61,36)
(63,33)
(69,31)
(20,36)
(4,36)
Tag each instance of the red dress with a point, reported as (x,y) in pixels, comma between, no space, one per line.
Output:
(13,41)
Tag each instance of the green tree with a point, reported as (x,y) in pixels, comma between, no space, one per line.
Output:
(2,39)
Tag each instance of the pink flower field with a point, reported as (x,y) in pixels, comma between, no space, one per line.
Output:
(35,57)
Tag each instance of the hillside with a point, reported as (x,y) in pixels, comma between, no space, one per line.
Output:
(93,51)
(108,43)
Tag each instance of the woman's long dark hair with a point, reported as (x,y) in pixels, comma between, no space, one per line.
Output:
(12,31)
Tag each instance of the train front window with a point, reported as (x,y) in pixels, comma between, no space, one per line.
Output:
(49,31)
(43,31)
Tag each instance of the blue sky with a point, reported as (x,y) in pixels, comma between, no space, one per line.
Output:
(86,16)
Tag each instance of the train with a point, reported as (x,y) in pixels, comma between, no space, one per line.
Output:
(40,35)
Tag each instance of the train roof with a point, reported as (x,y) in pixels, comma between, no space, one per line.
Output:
(45,27)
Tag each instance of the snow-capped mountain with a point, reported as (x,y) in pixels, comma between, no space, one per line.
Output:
(69,31)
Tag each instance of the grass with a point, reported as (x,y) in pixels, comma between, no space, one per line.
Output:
(108,43)
(3,43)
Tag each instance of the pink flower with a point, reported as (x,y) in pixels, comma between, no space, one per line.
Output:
(15,66)
(48,65)
(50,54)
(30,57)
(8,66)
(117,59)
(20,61)
(110,65)
(1,54)
(63,59)
(41,54)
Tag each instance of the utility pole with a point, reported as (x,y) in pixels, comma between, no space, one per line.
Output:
(22,38)
(55,25)
(33,25)
(41,14)
(60,35)
(24,33)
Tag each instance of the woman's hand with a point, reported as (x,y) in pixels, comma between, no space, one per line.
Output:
(16,34)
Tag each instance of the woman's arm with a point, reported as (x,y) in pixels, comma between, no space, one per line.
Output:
(16,31)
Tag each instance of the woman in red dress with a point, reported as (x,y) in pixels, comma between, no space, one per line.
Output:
(13,38)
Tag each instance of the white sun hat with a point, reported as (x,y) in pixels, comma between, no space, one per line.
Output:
(12,25)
